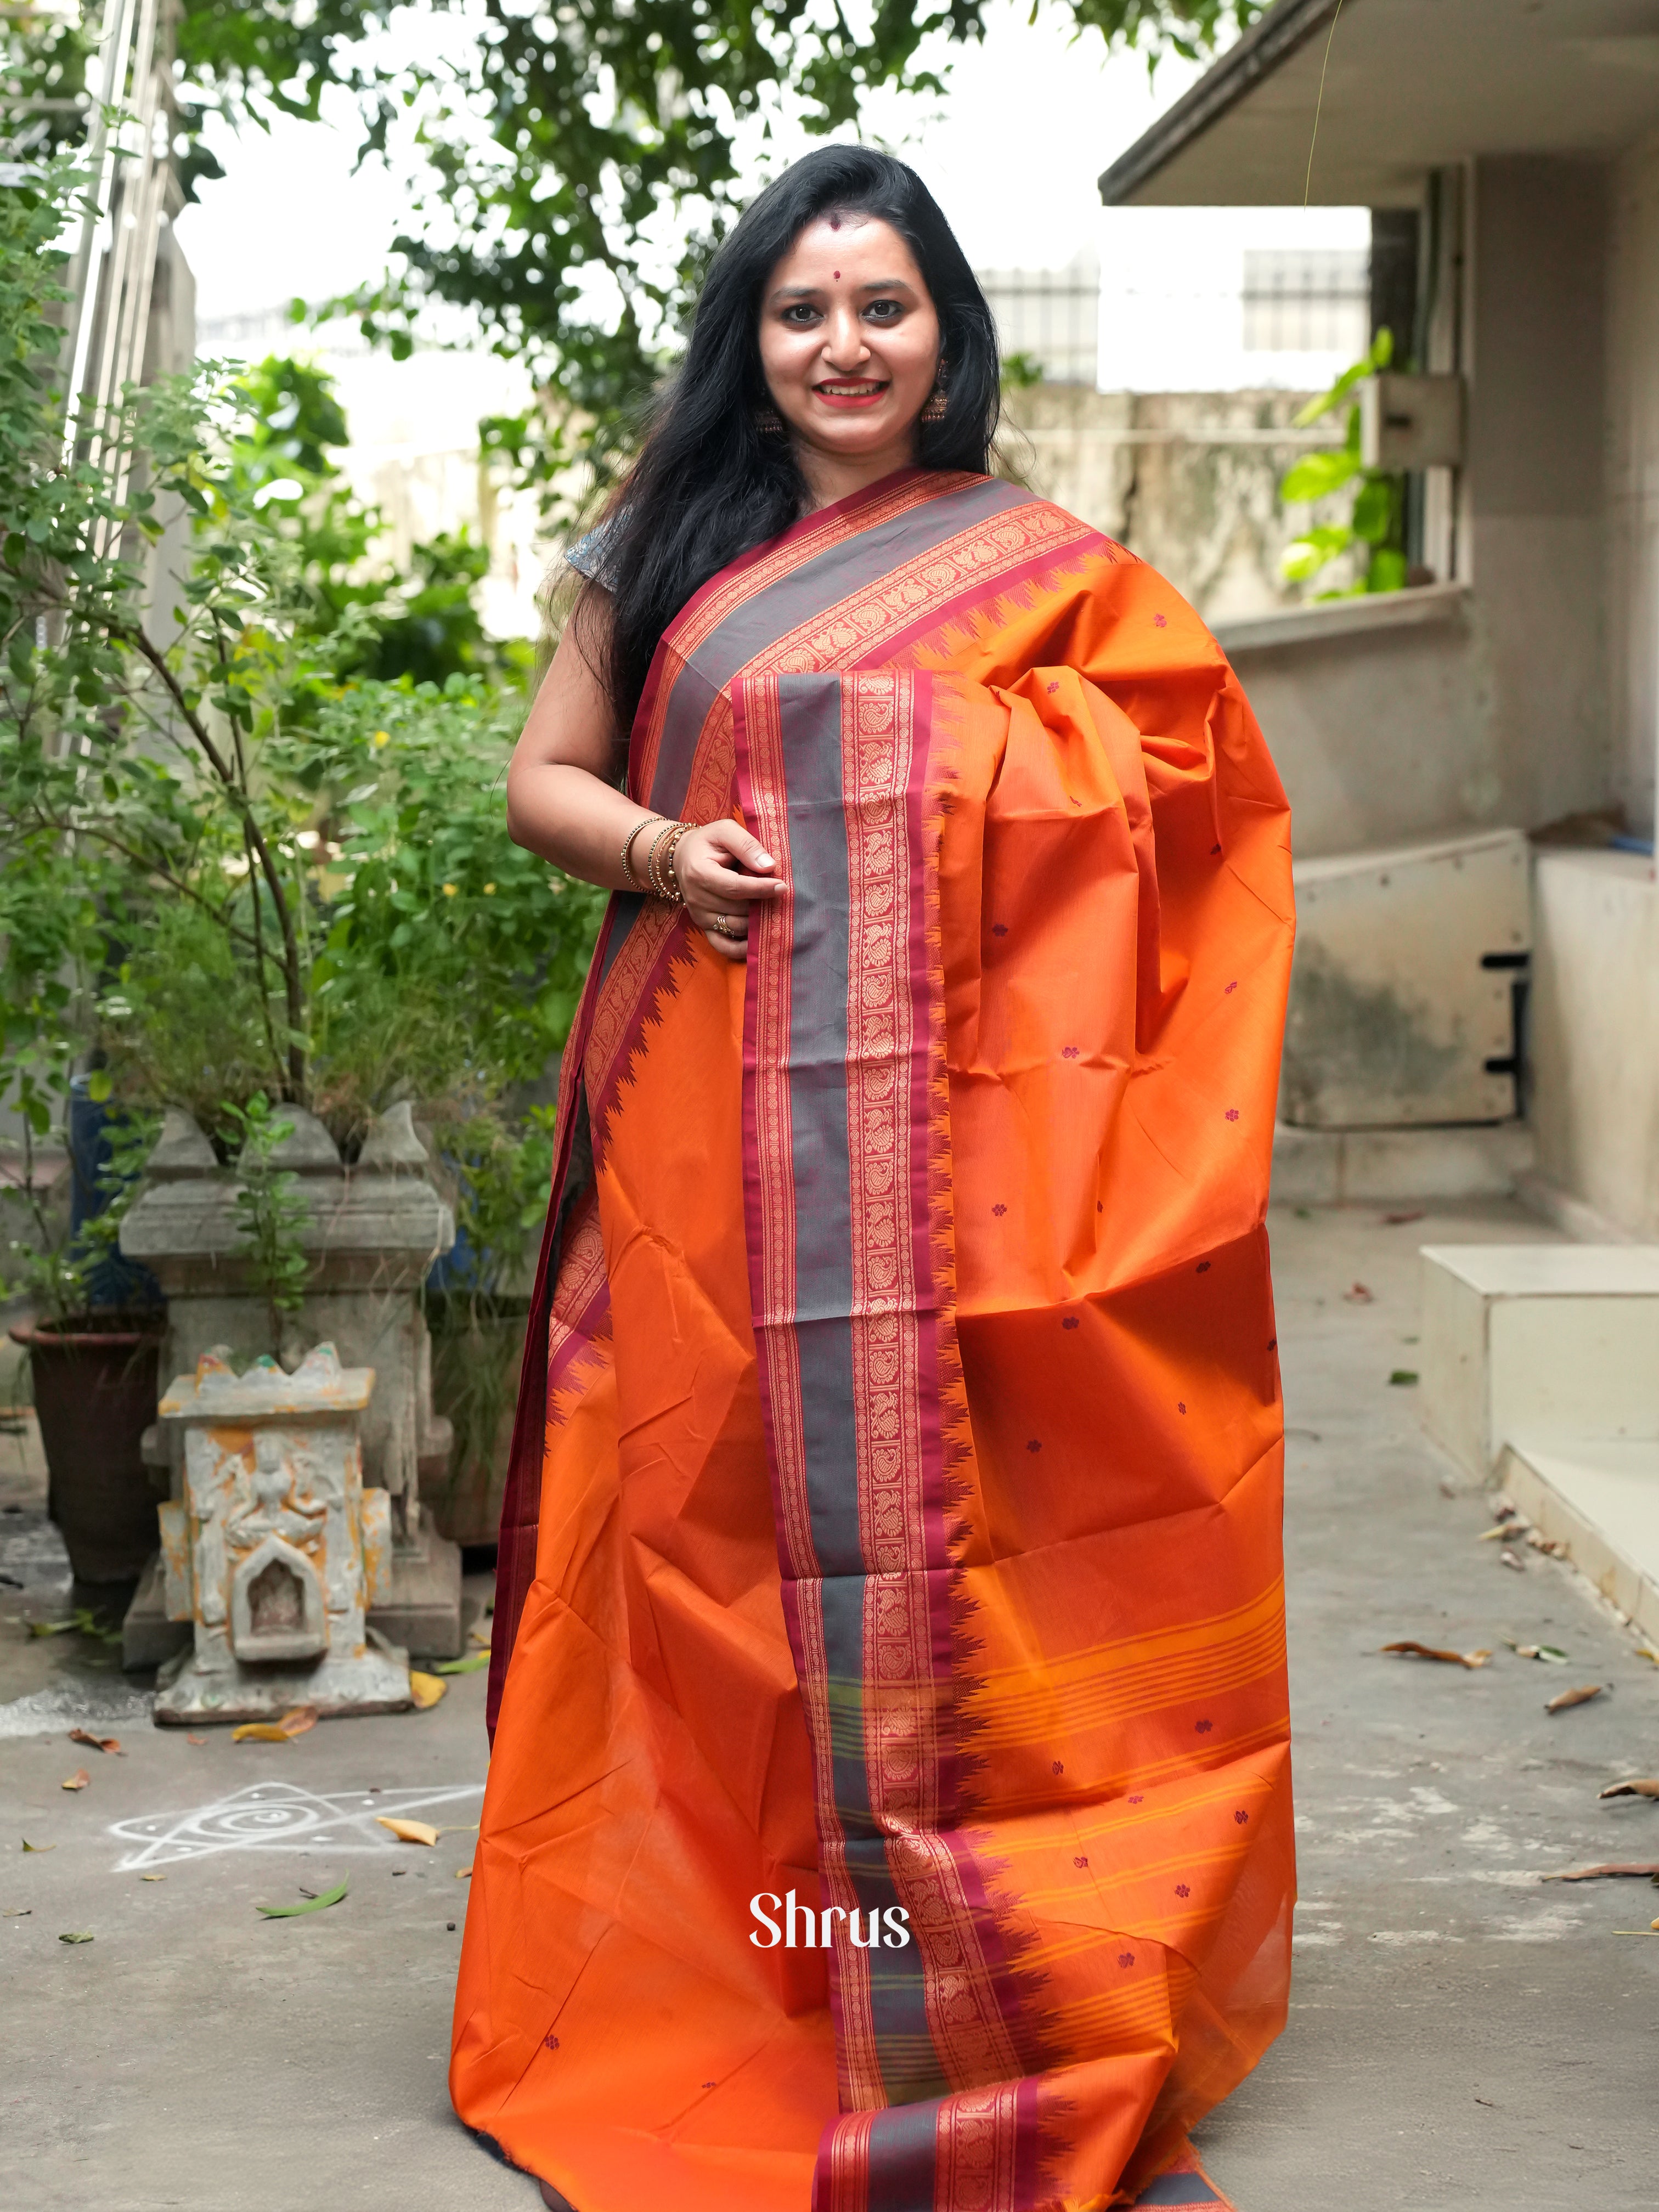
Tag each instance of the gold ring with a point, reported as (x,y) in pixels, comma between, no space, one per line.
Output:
(727,923)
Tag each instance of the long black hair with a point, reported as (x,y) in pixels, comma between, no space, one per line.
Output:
(708,484)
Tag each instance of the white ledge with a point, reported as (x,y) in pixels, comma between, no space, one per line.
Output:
(1335,619)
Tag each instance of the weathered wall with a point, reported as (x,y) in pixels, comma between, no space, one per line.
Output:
(1535,505)
(1595,1031)
(1632,480)
(1189,480)
(1380,735)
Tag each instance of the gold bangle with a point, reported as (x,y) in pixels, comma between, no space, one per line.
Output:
(652,880)
(671,888)
(633,881)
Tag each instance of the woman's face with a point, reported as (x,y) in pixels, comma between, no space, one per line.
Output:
(849,338)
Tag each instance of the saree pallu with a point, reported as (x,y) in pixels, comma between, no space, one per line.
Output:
(896,1501)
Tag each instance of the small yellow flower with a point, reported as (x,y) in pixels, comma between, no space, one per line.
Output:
(382,738)
(449,890)
(489,891)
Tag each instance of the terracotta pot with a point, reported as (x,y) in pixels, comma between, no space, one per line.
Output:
(94,1381)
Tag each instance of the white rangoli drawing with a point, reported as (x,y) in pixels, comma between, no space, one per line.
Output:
(282,1816)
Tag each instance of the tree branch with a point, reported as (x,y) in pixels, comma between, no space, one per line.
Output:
(294,993)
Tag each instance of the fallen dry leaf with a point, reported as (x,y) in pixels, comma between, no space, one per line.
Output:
(408,1832)
(78,1780)
(1513,1559)
(1647,1651)
(1652,1928)
(152,1877)
(1412,1648)
(1395,1220)
(1503,1529)
(1551,1654)
(1646,1787)
(1541,1542)
(74,1939)
(296,1723)
(1647,1868)
(199,1741)
(425,1689)
(15,1911)
(1566,1699)
(479,1635)
(29,1846)
(98,1742)
(1359,1296)
(462,1874)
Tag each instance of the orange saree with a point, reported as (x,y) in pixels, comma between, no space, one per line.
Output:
(890,1808)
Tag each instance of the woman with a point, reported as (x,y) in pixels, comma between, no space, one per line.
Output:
(890,1809)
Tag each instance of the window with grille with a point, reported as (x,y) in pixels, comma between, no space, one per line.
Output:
(1297,301)
(1051,316)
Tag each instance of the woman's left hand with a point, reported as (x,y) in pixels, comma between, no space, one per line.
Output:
(723,874)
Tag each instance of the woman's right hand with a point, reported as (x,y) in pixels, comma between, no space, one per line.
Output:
(723,874)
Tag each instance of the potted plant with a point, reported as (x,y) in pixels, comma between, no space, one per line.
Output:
(91,1363)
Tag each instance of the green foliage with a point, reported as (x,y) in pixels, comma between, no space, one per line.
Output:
(271,1212)
(289,426)
(578,164)
(1377,519)
(237,866)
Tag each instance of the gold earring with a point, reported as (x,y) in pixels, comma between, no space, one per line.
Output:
(768,422)
(937,402)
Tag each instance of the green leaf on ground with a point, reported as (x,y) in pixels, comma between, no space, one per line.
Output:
(469,1665)
(29,1846)
(74,1939)
(312,1904)
(1403,1375)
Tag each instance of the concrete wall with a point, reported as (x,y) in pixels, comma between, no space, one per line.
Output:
(1382,734)
(1189,480)
(1536,505)
(1535,476)
(1632,480)
(1595,1032)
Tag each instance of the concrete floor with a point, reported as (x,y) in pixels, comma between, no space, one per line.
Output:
(1462,2034)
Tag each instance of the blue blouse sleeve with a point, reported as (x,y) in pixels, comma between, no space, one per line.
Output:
(587,555)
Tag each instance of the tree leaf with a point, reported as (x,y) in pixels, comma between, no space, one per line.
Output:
(311,1904)
(425,1689)
(292,1723)
(1412,1649)
(468,1665)
(78,1780)
(408,1832)
(1566,1699)
(29,1846)
(98,1742)
(81,1938)
(1645,1786)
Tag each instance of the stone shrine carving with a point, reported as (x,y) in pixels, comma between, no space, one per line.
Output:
(277,1550)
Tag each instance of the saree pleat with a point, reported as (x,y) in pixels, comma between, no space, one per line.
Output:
(893,1536)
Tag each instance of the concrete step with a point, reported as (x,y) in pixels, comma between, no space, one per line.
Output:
(1539,1341)
(1599,1499)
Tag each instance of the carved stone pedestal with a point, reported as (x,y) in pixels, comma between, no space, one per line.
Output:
(371,1234)
(276,1552)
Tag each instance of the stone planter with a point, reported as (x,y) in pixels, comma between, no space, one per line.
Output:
(374,1232)
(93,1382)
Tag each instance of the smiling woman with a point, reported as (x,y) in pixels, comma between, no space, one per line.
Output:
(893,1523)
